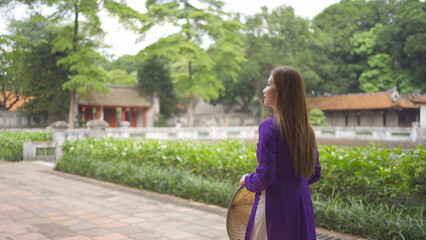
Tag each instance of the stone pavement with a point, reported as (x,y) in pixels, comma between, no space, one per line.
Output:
(38,203)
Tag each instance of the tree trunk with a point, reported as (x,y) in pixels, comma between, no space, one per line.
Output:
(245,104)
(73,97)
(263,110)
(259,94)
(191,99)
(191,112)
(72,107)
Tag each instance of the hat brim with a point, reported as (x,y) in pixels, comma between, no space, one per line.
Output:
(239,211)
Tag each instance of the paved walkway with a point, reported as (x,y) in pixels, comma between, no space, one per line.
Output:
(37,203)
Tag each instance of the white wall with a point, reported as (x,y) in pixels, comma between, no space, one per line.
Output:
(139,117)
(423,116)
(378,118)
(365,119)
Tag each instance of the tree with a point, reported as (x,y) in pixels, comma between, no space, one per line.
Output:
(260,60)
(79,40)
(378,69)
(192,68)
(153,76)
(317,117)
(76,40)
(403,40)
(127,63)
(391,55)
(299,44)
(120,77)
(11,70)
(42,77)
(43,80)
(273,39)
(341,21)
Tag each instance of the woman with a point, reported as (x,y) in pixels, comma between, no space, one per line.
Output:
(288,161)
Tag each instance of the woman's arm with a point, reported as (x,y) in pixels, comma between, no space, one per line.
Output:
(317,174)
(266,157)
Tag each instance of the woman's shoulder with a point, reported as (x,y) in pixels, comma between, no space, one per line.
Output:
(267,131)
(267,125)
(267,122)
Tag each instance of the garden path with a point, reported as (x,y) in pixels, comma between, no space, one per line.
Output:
(38,203)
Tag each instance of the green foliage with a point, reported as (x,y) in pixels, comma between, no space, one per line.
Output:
(42,78)
(127,63)
(154,77)
(374,221)
(341,22)
(121,77)
(370,174)
(317,117)
(224,160)
(403,41)
(11,71)
(364,191)
(379,72)
(11,143)
(192,70)
(271,39)
(258,63)
(377,45)
(33,29)
(414,174)
(164,180)
(80,60)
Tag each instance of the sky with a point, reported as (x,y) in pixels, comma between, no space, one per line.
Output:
(122,41)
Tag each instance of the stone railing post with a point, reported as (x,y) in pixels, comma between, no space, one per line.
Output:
(125,129)
(416,133)
(59,137)
(97,128)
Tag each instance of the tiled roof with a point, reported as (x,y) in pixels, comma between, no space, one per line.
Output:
(418,99)
(119,96)
(361,101)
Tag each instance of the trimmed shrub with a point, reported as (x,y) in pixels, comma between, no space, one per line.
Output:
(365,191)
(11,143)
(170,180)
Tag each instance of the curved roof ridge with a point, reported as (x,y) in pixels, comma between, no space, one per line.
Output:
(355,94)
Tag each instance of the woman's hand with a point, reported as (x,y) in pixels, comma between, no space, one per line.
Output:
(243,179)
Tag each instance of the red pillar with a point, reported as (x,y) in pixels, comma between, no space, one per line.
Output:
(144,118)
(123,114)
(98,113)
(83,112)
(101,112)
(113,118)
(134,117)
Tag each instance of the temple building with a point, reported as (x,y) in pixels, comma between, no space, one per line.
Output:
(381,109)
(122,103)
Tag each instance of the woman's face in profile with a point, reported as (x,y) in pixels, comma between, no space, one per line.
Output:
(270,93)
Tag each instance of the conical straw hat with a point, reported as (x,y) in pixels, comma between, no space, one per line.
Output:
(239,211)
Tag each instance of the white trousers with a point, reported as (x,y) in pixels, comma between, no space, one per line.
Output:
(259,225)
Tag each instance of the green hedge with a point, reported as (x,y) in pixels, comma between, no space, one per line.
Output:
(378,179)
(224,160)
(367,173)
(11,143)
(373,221)
(169,180)
(374,175)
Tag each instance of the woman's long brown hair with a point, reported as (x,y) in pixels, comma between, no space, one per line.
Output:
(291,116)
